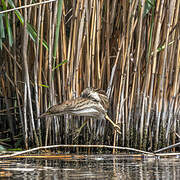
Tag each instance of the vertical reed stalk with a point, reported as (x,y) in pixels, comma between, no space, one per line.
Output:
(27,74)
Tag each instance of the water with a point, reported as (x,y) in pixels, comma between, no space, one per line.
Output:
(90,167)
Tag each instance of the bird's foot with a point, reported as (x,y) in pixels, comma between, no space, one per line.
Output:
(117,128)
(76,133)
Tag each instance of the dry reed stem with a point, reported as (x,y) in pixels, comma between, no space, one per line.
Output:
(72,146)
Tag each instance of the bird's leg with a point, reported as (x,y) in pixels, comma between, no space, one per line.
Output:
(114,124)
(78,131)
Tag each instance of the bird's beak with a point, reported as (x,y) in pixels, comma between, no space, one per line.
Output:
(44,115)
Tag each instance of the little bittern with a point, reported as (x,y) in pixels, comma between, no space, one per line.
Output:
(92,103)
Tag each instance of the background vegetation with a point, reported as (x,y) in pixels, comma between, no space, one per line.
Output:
(49,53)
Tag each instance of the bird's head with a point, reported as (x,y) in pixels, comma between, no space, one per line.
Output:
(91,93)
(97,95)
(57,109)
(52,111)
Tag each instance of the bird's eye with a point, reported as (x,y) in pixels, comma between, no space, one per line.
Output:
(66,104)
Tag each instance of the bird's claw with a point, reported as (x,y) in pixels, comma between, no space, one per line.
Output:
(117,128)
(76,133)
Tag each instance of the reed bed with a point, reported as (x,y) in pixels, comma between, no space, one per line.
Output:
(131,49)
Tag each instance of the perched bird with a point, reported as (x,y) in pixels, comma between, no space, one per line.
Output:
(91,103)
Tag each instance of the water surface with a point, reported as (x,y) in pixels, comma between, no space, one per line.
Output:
(91,167)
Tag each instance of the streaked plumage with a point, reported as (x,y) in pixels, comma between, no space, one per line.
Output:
(97,95)
(79,107)
(92,103)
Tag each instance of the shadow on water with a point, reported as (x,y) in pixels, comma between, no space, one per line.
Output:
(91,167)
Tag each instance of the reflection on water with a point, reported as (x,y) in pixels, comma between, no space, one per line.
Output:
(91,167)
